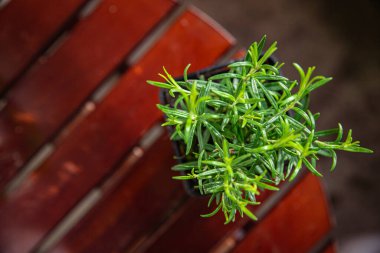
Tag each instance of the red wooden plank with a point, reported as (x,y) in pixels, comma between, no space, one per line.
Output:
(26,26)
(55,87)
(192,233)
(296,224)
(100,140)
(128,213)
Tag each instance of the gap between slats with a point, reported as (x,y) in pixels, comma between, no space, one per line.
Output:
(95,98)
(325,243)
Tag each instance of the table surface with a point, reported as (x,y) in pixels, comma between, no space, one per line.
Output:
(85,166)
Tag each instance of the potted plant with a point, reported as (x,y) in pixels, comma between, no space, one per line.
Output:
(246,129)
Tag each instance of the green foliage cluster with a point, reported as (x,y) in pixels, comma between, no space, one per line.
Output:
(248,129)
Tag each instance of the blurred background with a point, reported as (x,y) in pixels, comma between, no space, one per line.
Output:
(342,39)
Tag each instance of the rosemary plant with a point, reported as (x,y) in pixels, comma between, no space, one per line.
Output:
(248,129)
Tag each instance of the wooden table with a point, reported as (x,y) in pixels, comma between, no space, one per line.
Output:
(84,165)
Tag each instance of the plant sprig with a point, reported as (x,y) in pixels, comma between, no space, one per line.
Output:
(248,129)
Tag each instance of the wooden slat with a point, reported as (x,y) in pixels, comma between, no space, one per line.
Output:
(50,92)
(295,225)
(26,27)
(192,233)
(100,140)
(139,204)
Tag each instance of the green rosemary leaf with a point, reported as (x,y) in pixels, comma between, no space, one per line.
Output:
(353,147)
(261,44)
(253,100)
(178,132)
(212,213)
(327,132)
(356,149)
(270,78)
(224,95)
(308,144)
(300,71)
(248,213)
(225,121)
(211,172)
(266,186)
(230,215)
(159,84)
(240,159)
(340,133)
(271,68)
(201,138)
(302,114)
(267,54)
(183,177)
(213,196)
(240,64)
(280,166)
(288,100)
(208,116)
(252,54)
(190,137)
(246,163)
(225,75)
(173,112)
(185,72)
(305,82)
(225,149)
(214,163)
(217,103)
(213,131)
(284,88)
(297,126)
(296,169)
(316,85)
(311,167)
(269,96)
(169,77)
(334,160)
(213,187)
(312,119)
(184,166)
